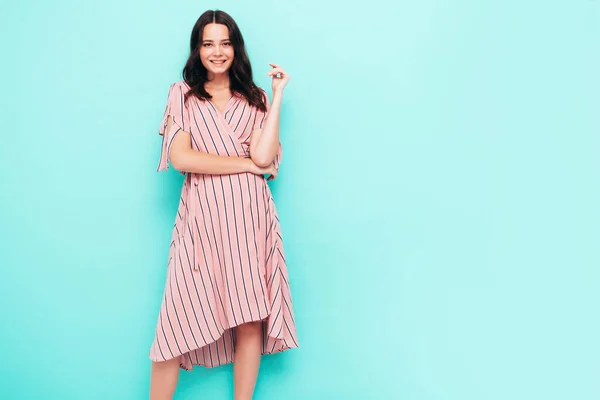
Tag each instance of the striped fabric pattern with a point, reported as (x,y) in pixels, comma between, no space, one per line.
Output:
(226,263)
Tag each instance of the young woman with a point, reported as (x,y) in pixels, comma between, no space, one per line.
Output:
(227,296)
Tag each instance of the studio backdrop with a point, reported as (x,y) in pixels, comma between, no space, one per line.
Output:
(438,196)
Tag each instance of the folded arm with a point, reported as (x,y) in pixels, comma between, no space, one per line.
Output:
(185,159)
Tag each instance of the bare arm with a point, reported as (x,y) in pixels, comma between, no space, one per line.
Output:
(264,142)
(186,159)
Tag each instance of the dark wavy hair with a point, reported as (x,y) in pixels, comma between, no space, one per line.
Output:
(240,72)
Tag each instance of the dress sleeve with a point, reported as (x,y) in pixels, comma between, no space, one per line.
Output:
(181,121)
(259,123)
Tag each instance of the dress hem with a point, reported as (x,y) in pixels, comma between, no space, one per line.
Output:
(183,365)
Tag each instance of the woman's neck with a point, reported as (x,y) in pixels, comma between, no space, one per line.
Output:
(217,82)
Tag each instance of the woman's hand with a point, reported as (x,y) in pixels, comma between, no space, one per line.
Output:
(280,78)
(256,170)
(274,174)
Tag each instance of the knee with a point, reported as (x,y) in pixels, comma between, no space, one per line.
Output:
(168,364)
(249,329)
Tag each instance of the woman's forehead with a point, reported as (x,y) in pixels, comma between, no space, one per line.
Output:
(215,32)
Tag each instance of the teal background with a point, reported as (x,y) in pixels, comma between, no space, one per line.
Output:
(438,195)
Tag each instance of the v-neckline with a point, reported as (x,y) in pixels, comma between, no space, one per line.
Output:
(222,112)
(219,118)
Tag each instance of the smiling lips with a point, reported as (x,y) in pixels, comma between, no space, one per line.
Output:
(221,62)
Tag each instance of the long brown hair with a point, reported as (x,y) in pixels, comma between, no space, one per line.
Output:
(240,73)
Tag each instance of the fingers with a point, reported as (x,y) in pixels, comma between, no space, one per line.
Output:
(275,65)
(277,70)
(272,172)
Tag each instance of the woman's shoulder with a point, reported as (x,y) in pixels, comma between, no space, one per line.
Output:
(179,89)
(246,100)
(180,84)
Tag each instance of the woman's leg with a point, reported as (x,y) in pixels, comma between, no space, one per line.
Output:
(164,379)
(248,343)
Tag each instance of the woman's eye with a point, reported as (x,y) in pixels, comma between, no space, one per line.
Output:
(206,44)
(227,44)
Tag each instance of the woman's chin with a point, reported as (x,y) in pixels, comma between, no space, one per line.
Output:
(218,71)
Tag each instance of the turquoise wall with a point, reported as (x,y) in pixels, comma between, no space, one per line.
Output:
(438,196)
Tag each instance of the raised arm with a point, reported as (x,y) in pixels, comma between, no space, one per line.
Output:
(264,143)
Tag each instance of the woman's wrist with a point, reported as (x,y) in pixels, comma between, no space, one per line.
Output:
(248,164)
(277,94)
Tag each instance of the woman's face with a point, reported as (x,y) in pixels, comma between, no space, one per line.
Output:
(216,50)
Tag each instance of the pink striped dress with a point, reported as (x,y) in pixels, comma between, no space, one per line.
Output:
(226,262)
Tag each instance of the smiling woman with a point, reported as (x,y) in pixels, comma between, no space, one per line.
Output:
(227,296)
(216,52)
